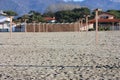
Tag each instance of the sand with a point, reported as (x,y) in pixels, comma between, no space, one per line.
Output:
(60,56)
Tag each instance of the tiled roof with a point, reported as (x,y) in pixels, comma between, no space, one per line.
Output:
(104,20)
(49,18)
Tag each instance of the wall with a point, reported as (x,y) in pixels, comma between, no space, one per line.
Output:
(104,15)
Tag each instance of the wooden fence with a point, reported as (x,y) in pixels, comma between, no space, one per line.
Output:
(52,27)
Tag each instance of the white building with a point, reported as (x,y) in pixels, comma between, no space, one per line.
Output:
(4,23)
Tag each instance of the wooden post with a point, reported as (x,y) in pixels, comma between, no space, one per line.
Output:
(96,26)
(86,23)
(39,26)
(11,17)
(79,26)
(82,23)
(96,19)
(25,26)
(34,26)
(86,17)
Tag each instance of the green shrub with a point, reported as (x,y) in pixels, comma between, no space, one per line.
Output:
(103,28)
(92,29)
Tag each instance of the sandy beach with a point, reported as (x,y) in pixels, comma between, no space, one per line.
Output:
(60,56)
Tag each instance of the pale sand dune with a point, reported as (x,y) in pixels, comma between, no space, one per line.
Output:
(60,56)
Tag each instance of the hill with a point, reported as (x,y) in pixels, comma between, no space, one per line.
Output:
(24,6)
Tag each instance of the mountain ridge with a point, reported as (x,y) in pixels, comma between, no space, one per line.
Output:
(23,7)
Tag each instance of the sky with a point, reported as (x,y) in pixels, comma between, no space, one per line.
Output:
(74,0)
(78,0)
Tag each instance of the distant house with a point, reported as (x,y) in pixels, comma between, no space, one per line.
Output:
(107,21)
(4,23)
(84,27)
(20,27)
(50,19)
(106,16)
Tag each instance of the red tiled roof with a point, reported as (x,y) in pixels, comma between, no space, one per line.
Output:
(104,20)
(49,18)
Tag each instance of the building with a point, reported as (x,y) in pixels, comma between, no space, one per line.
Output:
(4,23)
(107,21)
(50,19)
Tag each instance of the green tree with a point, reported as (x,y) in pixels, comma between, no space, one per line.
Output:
(71,15)
(48,14)
(35,16)
(115,12)
(10,13)
(63,16)
(31,16)
(22,18)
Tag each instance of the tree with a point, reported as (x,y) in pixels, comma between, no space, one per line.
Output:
(31,16)
(82,11)
(48,14)
(23,18)
(71,15)
(10,13)
(115,12)
(35,16)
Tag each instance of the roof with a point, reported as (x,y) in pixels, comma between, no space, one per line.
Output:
(104,20)
(106,13)
(4,19)
(49,18)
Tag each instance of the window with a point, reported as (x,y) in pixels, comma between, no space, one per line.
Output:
(104,17)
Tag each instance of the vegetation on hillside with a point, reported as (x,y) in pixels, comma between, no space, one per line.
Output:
(10,13)
(71,15)
(116,13)
(61,16)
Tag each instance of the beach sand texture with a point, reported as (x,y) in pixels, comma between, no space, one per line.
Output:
(60,56)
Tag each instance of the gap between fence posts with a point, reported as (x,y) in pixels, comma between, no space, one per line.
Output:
(74,27)
(112,26)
